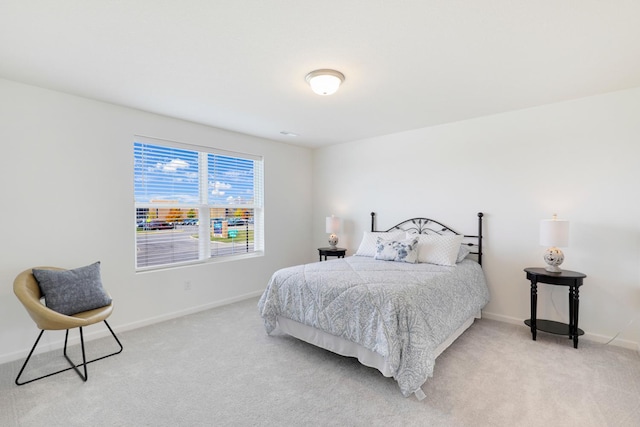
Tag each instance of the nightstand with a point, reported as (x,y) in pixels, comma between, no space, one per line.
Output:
(339,252)
(573,280)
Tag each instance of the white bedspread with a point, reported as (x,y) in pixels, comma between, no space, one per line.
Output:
(401,311)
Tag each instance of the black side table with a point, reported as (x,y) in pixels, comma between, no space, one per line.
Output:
(573,280)
(339,252)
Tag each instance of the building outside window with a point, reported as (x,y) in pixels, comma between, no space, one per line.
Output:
(195,204)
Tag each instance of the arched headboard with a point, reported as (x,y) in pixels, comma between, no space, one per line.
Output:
(431,226)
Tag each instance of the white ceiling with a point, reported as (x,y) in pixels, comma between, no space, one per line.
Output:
(240,65)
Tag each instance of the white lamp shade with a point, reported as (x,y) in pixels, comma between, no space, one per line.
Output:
(554,232)
(333,224)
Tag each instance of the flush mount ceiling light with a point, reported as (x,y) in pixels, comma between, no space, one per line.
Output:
(324,82)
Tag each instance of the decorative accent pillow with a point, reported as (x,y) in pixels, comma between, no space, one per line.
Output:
(393,250)
(437,249)
(369,241)
(72,291)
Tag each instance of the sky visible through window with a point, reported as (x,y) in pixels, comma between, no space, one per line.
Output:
(171,174)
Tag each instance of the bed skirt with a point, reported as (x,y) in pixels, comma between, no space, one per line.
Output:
(350,349)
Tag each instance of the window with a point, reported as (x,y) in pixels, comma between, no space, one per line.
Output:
(195,203)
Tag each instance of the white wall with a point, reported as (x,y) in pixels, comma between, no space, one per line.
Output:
(579,159)
(67,200)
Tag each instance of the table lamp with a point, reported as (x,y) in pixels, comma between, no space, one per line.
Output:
(333,224)
(554,233)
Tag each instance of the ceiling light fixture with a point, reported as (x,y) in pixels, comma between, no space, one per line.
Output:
(325,82)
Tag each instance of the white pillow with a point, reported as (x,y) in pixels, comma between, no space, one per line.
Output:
(462,253)
(397,250)
(368,244)
(437,249)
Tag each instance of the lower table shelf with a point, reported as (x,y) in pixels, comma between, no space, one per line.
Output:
(552,327)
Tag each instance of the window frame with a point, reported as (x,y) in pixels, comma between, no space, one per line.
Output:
(203,205)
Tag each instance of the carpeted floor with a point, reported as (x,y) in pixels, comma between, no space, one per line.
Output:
(219,368)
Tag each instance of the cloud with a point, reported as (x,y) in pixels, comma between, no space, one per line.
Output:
(173,165)
(218,188)
(237,200)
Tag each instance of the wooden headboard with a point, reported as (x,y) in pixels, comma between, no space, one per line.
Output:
(430,226)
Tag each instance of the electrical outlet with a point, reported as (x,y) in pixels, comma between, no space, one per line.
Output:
(187,285)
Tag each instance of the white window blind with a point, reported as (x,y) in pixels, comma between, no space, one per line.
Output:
(195,203)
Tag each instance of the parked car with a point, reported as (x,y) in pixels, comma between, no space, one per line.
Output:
(190,221)
(157,225)
(236,221)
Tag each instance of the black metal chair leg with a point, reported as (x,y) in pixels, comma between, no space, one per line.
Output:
(84,359)
(117,340)
(73,365)
(24,365)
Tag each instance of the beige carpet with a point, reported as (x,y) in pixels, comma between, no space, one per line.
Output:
(219,368)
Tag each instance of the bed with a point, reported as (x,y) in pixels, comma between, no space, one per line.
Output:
(395,305)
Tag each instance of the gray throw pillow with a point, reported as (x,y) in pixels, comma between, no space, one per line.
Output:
(72,291)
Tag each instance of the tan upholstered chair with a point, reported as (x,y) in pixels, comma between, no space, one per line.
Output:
(28,292)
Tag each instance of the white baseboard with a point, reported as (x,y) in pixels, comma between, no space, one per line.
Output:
(588,336)
(501,318)
(47,344)
(176,314)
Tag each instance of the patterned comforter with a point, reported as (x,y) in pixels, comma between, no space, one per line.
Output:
(401,311)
